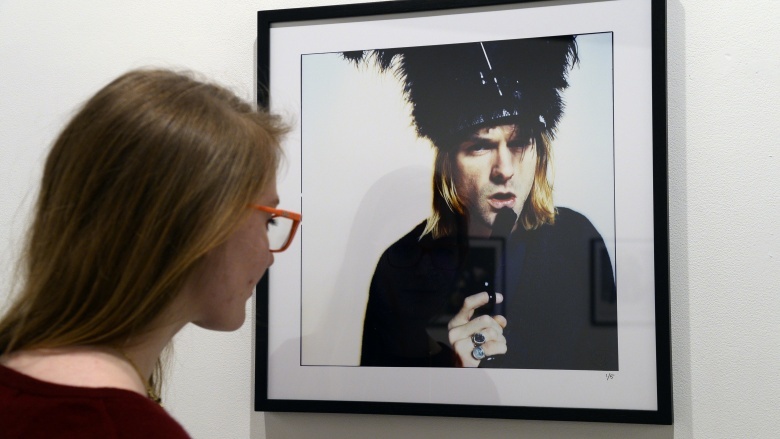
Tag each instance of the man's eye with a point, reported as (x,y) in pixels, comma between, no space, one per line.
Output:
(478,147)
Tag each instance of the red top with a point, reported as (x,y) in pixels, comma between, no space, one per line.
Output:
(30,409)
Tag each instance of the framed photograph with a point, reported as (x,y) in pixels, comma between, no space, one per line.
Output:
(484,196)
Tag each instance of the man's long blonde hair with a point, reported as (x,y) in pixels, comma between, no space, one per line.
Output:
(154,171)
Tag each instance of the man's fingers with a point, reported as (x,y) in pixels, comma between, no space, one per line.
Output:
(501,320)
(467,310)
(462,327)
(464,349)
(469,305)
(487,325)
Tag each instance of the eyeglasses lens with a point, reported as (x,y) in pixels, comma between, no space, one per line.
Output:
(279,232)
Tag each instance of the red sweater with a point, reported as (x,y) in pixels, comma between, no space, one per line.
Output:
(30,409)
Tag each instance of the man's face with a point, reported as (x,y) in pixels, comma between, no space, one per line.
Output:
(495,169)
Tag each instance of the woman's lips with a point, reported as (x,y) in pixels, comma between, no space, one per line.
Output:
(501,200)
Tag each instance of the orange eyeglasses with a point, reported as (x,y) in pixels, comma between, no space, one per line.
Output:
(281,227)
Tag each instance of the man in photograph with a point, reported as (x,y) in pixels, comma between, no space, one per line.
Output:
(497,275)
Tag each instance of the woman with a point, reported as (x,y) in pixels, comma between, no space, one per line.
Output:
(154,212)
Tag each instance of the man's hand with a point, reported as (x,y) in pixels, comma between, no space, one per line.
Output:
(462,328)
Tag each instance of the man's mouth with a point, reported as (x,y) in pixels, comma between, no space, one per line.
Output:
(499,200)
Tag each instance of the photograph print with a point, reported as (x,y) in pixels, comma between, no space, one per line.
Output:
(461,206)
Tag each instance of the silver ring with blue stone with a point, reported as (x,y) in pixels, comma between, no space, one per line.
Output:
(478,353)
(478,339)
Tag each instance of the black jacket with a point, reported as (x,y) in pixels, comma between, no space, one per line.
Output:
(560,298)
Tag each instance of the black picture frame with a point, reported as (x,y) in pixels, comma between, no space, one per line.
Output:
(638,32)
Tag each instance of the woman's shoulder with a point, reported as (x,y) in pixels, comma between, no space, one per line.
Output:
(136,416)
(32,408)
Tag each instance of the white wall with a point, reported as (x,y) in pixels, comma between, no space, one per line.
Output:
(724,167)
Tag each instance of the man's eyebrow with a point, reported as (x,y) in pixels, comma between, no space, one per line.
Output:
(471,141)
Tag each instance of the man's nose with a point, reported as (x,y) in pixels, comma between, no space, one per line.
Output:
(503,168)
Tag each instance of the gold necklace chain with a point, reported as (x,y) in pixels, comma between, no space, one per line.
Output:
(149,390)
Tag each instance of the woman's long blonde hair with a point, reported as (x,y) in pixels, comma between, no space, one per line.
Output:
(154,171)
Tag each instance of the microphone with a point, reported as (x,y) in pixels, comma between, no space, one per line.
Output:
(502,228)
(503,224)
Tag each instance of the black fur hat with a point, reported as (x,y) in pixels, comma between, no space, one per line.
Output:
(459,87)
